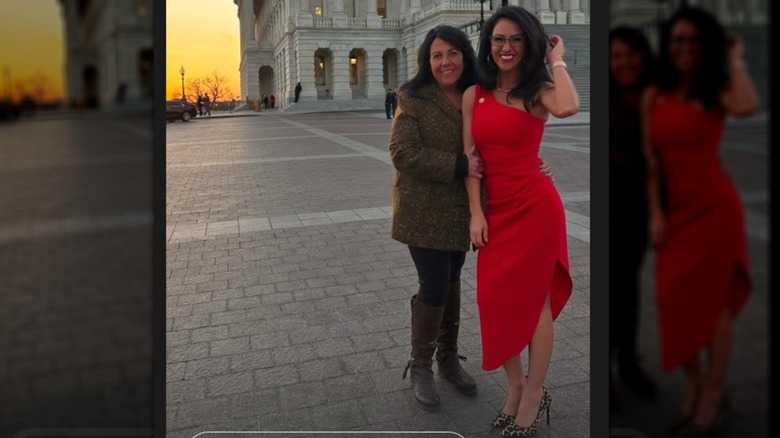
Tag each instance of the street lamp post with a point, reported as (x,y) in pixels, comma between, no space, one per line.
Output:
(482,11)
(7,83)
(181,71)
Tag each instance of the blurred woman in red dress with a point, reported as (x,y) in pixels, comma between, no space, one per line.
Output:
(696,219)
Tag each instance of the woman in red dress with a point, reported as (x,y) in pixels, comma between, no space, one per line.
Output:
(695,217)
(523,278)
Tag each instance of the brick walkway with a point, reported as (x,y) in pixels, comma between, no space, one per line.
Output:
(76,272)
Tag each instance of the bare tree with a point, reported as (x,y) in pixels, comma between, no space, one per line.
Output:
(216,84)
(196,88)
(37,86)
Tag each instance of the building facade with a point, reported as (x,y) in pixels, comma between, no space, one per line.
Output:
(108,51)
(349,52)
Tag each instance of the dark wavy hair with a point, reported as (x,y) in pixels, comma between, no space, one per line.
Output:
(533,71)
(711,74)
(424,76)
(638,41)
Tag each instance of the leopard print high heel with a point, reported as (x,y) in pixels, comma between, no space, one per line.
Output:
(515,430)
(502,420)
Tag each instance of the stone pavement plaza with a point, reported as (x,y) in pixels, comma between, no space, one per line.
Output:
(288,302)
(76,272)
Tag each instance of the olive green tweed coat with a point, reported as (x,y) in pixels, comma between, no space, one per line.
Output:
(430,205)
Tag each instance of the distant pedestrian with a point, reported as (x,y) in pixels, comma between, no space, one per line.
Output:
(394,103)
(389,104)
(273,101)
(200,105)
(265,102)
(206,105)
(298,89)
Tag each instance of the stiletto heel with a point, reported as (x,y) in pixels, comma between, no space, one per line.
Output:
(502,419)
(515,430)
(548,414)
(721,419)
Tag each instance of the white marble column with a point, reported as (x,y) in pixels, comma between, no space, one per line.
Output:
(341,87)
(530,5)
(246,20)
(403,66)
(393,9)
(304,72)
(414,6)
(375,88)
(372,18)
(303,16)
(575,16)
(338,14)
(546,16)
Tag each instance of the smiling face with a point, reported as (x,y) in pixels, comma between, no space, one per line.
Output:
(446,63)
(507,45)
(625,63)
(684,46)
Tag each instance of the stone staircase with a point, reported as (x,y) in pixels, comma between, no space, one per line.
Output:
(576,39)
(328,105)
(756,42)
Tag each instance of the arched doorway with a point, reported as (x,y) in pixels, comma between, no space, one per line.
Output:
(146,73)
(266,78)
(90,87)
(357,73)
(323,73)
(390,69)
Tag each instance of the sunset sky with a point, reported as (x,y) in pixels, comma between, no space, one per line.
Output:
(203,36)
(32,37)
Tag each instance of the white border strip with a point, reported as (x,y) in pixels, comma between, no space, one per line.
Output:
(349,432)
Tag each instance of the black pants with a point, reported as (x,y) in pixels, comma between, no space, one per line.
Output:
(388,110)
(626,254)
(436,270)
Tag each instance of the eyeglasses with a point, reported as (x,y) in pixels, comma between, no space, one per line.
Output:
(682,39)
(500,40)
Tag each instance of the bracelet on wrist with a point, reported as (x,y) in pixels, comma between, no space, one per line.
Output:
(558,64)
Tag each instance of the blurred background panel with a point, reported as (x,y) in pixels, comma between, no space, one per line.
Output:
(749,19)
(744,154)
(76,218)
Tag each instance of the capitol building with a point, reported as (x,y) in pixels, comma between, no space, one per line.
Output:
(108,51)
(347,53)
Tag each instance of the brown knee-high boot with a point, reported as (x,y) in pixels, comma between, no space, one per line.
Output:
(447,352)
(425,328)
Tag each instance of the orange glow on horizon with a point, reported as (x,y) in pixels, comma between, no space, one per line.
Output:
(202,36)
(32,61)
